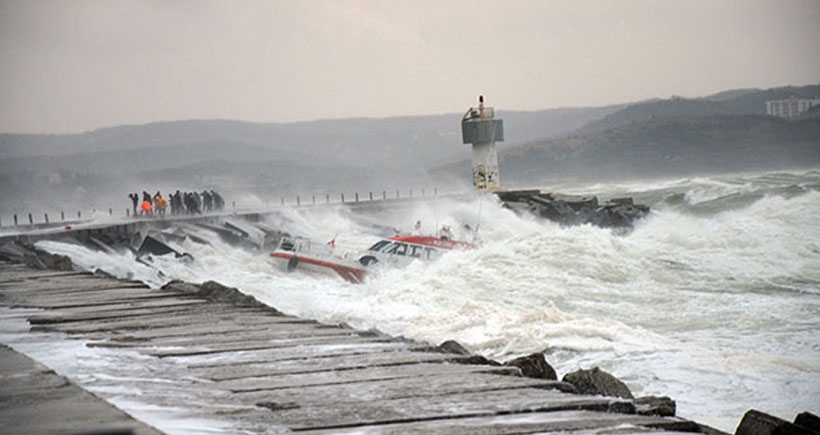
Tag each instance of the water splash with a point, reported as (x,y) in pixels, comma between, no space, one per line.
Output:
(713,300)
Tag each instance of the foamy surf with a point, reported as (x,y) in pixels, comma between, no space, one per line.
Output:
(713,300)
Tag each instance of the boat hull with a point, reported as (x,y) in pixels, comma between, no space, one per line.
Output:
(348,270)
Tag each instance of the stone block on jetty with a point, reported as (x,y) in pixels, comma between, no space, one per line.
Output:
(653,405)
(758,423)
(153,246)
(597,382)
(809,421)
(452,346)
(216,292)
(534,366)
(20,252)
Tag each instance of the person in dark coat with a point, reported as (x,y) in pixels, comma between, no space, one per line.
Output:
(178,198)
(146,197)
(219,203)
(135,199)
(197,201)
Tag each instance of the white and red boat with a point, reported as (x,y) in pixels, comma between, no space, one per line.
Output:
(397,251)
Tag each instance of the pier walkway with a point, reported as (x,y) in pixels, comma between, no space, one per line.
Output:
(186,357)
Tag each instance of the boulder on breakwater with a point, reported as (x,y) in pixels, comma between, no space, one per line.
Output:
(594,381)
(534,366)
(755,422)
(20,252)
(152,245)
(575,210)
(598,383)
(216,292)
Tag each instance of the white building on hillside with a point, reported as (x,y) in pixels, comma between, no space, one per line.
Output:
(790,108)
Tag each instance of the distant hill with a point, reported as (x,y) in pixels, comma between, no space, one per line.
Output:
(128,161)
(362,141)
(668,147)
(735,102)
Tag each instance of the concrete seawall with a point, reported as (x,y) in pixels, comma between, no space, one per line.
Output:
(211,354)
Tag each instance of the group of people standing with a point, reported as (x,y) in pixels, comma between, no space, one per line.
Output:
(180,203)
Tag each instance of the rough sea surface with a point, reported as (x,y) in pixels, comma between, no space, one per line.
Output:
(714,300)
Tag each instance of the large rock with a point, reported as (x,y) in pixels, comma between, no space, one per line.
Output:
(758,423)
(152,245)
(215,292)
(534,366)
(20,252)
(452,346)
(653,405)
(575,210)
(597,382)
(808,421)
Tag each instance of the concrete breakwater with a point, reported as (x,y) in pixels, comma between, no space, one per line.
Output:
(118,308)
(220,355)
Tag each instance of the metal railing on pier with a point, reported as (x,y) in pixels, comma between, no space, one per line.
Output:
(31,219)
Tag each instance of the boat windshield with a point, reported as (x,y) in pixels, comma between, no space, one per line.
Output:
(379,245)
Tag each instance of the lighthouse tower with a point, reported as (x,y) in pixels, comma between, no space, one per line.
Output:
(482,130)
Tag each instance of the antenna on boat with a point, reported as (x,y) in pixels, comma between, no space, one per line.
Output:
(435,213)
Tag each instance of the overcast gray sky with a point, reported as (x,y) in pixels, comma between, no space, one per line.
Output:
(73,66)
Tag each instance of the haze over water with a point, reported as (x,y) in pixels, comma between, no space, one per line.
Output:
(714,300)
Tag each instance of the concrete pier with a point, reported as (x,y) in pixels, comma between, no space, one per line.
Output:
(35,400)
(246,368)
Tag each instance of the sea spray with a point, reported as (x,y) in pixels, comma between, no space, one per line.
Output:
(713,300)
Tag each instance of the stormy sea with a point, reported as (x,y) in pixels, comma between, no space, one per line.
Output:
(713,300)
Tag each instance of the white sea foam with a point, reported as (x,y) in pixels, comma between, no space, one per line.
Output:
(714,300)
